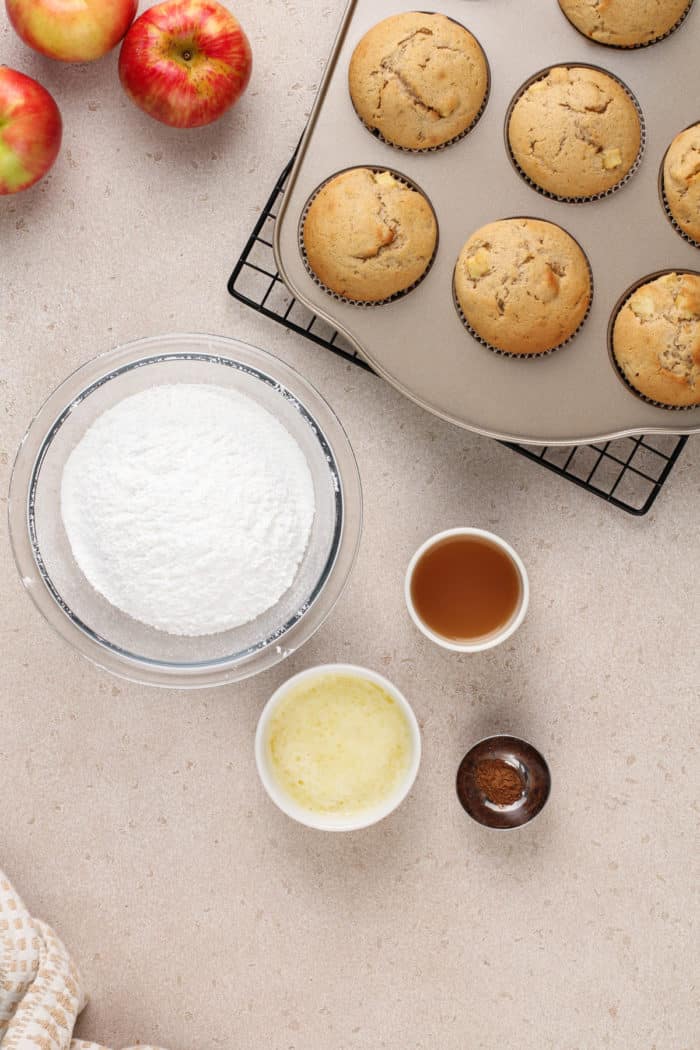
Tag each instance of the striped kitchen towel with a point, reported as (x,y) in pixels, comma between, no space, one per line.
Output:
(40,988)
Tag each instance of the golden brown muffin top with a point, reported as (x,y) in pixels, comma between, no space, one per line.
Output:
(656,339)
(418,79)
(624,23)
(575,132)
(523,285)
(682,180)
(367,235)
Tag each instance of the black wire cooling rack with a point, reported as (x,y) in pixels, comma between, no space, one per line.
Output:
(628,472)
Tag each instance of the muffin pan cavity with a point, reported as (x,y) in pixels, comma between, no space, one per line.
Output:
(582,140)
(531,284)
(620,31)
(395,227)
(421,76)
(684,233)
(622,302)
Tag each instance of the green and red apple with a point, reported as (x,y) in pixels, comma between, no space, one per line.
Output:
(185,62)
(30,131)
(72,30)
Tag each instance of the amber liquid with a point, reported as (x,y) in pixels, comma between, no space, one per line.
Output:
(465,588)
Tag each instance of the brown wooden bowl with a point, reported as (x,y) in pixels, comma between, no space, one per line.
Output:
(528,764)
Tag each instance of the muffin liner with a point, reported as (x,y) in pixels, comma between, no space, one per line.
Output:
(508,353)
(611,325)
(457,138)
(405,181)
(664,200)
(632,47)
(591,197)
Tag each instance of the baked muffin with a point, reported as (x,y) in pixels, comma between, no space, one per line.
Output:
(624,23)
(523,285)
(656,339)
(420,80)
(368,236)
(681,181)
(575,132)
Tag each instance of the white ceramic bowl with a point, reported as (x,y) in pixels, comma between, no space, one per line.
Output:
(491,640)
(331,822)
(88,621)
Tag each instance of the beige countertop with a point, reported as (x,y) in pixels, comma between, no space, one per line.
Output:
(132,819)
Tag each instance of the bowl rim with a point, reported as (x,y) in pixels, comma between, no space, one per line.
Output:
(151,350)
(304,816)
(490,641)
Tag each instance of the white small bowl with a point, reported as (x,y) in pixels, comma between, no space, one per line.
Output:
(489,641)
(333,822)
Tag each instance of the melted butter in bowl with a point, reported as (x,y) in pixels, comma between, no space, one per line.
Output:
(338,747)
(339,744)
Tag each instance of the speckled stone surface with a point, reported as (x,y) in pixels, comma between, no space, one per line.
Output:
(132,819)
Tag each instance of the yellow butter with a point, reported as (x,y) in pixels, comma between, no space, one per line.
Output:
(339,744)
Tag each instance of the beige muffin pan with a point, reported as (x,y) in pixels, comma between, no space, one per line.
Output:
(418,342)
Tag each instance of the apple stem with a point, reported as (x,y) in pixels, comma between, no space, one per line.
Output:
(187,55)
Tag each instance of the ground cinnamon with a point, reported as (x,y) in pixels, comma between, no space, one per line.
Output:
(498,781)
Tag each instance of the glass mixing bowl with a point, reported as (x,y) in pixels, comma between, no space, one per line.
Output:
(98,630)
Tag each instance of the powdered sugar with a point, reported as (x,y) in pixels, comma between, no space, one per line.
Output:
(189,507)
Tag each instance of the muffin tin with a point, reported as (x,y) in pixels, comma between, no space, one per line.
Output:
(418,343)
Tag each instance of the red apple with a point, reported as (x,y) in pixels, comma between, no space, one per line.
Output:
(185,62)
(72,30)
(30,131)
